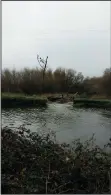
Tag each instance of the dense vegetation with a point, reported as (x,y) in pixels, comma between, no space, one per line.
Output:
(34,164)
(20,100)
(30,81)
(92,103)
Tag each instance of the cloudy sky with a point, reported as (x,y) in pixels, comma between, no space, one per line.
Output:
(73,34)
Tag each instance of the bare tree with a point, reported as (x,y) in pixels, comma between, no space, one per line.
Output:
(43,65)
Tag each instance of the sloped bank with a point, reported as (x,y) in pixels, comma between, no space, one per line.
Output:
(13,100)
(91,103)
(34,164)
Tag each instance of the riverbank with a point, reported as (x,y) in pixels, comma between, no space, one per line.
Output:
(89,102)
(93,103)
(21,100)
(34,164)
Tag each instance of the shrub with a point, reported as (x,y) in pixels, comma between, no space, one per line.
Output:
(32,163)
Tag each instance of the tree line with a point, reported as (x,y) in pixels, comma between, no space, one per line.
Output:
(61,80)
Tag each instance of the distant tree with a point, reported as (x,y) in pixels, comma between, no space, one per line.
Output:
(70,78)
(106,81)
(43,65)
(43,80)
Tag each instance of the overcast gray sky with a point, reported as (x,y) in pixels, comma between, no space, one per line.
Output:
(73,34)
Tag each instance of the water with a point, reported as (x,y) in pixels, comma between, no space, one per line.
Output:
(68,122)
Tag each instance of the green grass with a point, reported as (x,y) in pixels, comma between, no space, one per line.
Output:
(18,100)
(97,103)
(15,100)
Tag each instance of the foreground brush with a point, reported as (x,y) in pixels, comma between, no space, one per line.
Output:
(34,164)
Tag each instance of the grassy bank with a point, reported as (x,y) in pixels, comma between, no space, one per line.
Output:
(21,100)
(33,164)
(93,103)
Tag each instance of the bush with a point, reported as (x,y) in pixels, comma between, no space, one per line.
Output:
(38,164)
